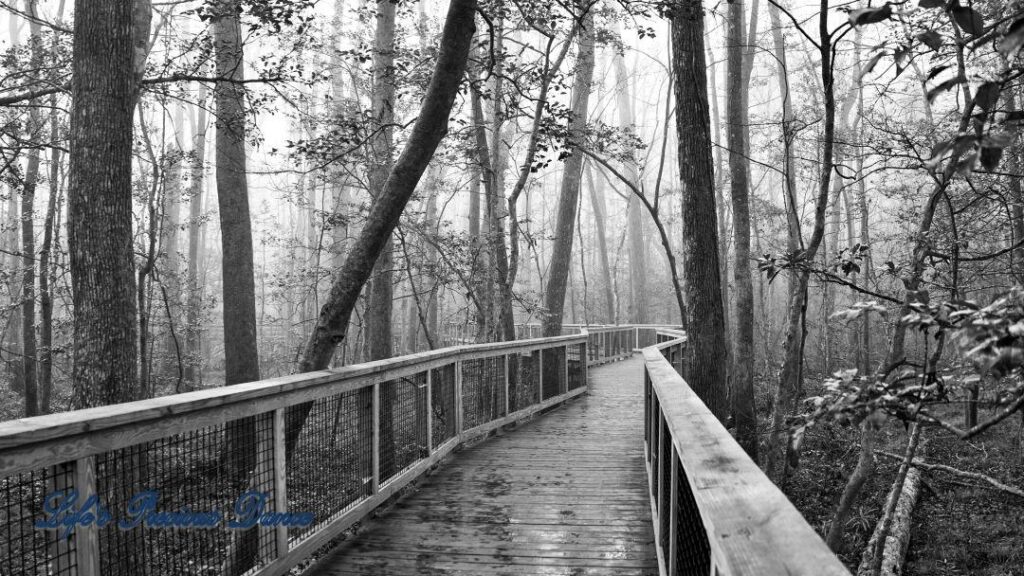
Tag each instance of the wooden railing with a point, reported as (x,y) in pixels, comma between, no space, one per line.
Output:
(714,511)
(367,430)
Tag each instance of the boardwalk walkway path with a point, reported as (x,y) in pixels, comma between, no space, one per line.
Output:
(564,494)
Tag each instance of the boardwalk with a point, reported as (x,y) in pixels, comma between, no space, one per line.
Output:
(565,494)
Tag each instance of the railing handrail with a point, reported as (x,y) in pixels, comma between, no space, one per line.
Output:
(751,527)
(18,436)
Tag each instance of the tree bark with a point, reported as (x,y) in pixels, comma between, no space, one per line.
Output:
(28,247)
(241,353)
(638,286)
(193,328)
(597,201)
(742,376)
(704,365)
(380,291)
(103,90)
(568,200)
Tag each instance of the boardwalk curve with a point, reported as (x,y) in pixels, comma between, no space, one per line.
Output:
(564,494)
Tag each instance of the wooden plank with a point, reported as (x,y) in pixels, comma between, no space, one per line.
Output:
(753,528)
(87,538)
(280,479)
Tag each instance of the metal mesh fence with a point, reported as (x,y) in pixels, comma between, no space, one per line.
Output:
(483,390)
(442,403)
(403,424)
(23,548)
(554,372)
(524,380)
(331,468)
(693,551)
(577,366)
(203,470)
(665,482)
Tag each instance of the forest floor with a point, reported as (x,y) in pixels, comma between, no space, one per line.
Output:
(960,527)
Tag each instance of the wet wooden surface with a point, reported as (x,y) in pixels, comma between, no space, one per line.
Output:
(564,494)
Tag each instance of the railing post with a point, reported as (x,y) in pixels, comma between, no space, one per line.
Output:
(280,479)
(430,412)
(540,375)
(565,369)
(87,538)
(673,515)
(458,397)
(266,479)
(506,385)
(636,337)
(375,486)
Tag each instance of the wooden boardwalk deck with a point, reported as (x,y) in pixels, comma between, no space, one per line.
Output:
(564,494)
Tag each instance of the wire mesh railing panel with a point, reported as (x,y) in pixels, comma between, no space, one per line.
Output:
(576,363)
(330,469)
(692,548)
(554,372)
(403,424)
(216,468)
(524,380)
(483,390)
(24,549)
(442,404)
(664,471)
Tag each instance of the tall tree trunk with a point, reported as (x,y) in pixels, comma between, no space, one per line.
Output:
(638,286)
(780,459)
(504,328)
(380,292)
(193,329)
(597,201)
(106,67)
(241,353)
(28,244)
(742,377)
(103,91)
(568,200)
(704,364)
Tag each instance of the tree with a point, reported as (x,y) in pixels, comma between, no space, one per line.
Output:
(430,127)
(742,376)
(568,199)
(241,356)
(704,366)
(380,290)
(104,86)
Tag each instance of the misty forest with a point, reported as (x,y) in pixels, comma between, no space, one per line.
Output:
(827,197)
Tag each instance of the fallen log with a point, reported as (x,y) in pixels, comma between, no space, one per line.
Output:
(898,538)
(918,463)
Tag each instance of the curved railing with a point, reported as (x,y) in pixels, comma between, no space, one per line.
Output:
(714,511)
(367,430)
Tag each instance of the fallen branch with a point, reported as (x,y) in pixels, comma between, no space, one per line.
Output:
(918,463)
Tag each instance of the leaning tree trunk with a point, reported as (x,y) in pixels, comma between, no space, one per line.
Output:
(568,200)
(430,127)
(239,292)
(742,377)
(704,360)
